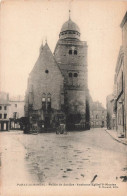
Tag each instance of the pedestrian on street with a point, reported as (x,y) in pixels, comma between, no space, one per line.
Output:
(57,127)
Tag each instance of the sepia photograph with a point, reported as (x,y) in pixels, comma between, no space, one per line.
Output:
(63,97)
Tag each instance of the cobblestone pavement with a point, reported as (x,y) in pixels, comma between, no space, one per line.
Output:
(81,157)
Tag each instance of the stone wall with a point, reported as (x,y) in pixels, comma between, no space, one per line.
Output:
(98,115)
(125,69)
(62,55)
(76,100)
(74,69)
(45,80)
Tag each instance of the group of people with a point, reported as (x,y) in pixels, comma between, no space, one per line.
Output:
(60,128)
(59,125)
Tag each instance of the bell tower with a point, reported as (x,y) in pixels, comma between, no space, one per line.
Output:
(71,56)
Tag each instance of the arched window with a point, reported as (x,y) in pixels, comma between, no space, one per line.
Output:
(70,51)
(75,52)
(49,102)
(15,115)
(70,75)
(44,101)
(75,75)
(49,99)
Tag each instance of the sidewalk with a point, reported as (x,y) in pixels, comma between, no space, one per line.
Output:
(113,134)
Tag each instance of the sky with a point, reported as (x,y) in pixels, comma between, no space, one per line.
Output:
(26,24)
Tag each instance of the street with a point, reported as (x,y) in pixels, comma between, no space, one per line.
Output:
(78,157)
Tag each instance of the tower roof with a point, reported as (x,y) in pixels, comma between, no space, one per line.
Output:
(69,30)
(70,26)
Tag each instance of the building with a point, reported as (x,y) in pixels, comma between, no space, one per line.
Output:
(44,96)
(11,111)
(119,96)
(4,111)
(16,111)
(98,115)
(111,115)
(124,45)
(120,86)
(57,85)
(71,56)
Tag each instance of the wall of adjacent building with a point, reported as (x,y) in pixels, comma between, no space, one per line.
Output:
(123,26)
(111,116)
(124,43)
(16,107)
(4,117)
(16,111)
(120,92)
(98,115)
(4,111)
(120,84)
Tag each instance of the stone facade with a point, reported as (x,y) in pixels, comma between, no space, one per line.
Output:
(124,44)
(45,78)
(16,111)
(98,115)
(111,115)
(4,111)
(44,95)
(11,110)
(119,96)
(60,80)
(71,55)
(120,84)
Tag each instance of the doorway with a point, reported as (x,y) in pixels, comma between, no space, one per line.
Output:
(47,122)
(102,124)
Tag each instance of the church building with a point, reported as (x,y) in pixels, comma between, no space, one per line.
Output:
(57,87)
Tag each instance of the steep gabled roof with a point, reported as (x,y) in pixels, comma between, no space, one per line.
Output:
(45,58)
(124,20)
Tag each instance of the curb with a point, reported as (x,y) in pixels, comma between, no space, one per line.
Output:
(122,142)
